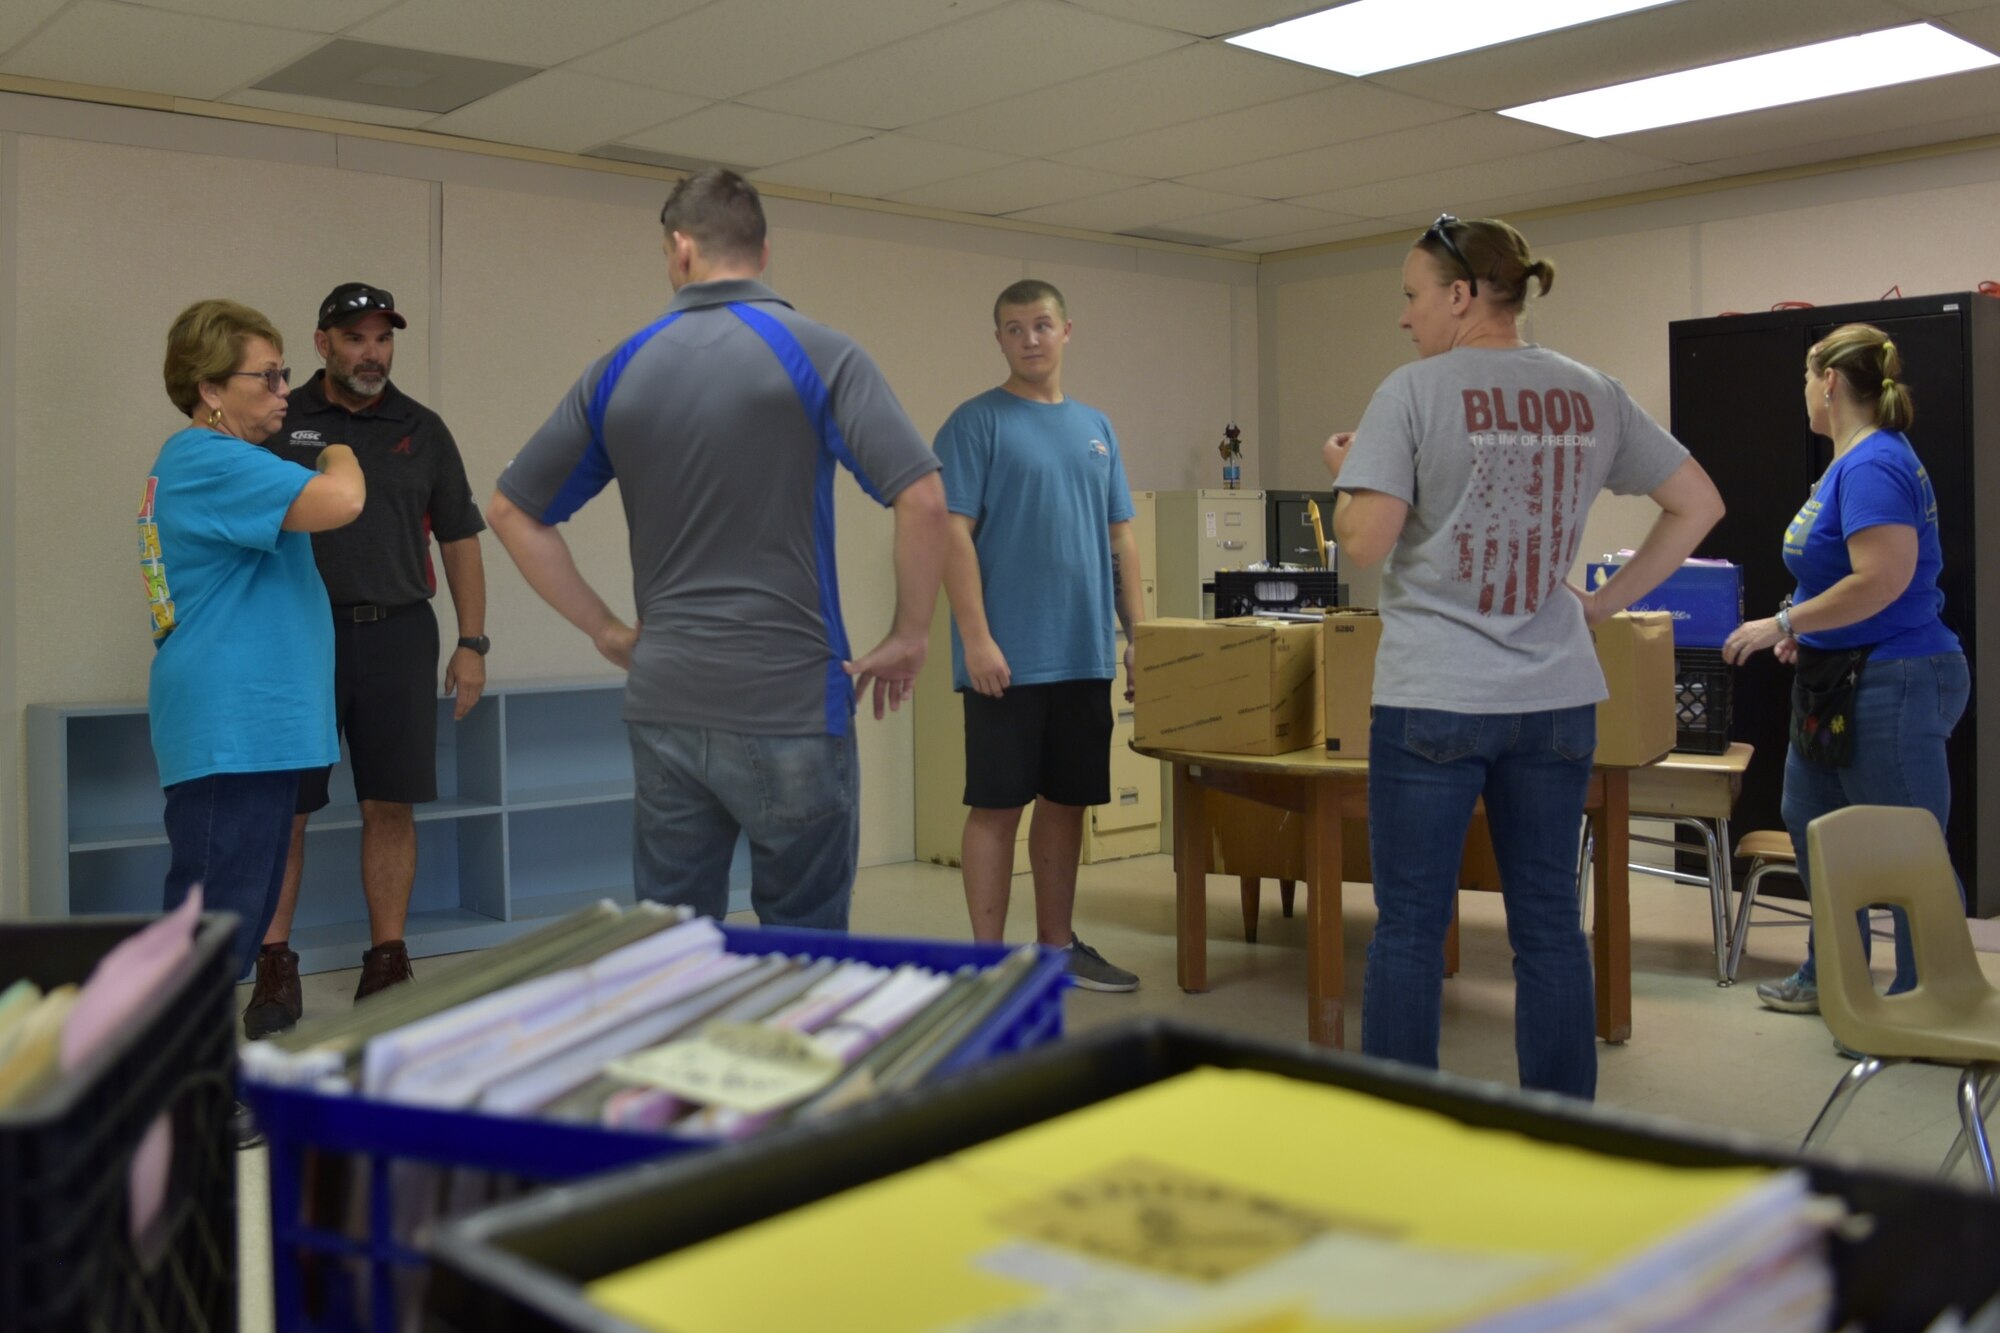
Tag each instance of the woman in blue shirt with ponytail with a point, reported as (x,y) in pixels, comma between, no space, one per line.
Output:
(1881,681)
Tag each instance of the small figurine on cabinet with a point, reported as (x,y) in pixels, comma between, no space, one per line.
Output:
(1231,449)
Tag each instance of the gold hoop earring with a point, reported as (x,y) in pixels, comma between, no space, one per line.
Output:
(215,419)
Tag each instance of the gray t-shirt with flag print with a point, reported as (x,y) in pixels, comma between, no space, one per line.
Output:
(1499,453)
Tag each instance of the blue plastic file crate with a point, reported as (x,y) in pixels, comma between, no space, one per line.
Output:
(1706,601)
(302,1127)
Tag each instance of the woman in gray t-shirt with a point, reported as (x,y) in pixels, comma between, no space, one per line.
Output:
(1469,479)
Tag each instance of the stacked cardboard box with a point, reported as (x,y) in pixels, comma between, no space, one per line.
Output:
(1247,686)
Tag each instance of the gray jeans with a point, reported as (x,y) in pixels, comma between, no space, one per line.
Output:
(797,797)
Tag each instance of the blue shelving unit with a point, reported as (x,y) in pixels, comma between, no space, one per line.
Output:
(533,818)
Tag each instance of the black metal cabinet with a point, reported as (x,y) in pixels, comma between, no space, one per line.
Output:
(1288,531)
(1738,403)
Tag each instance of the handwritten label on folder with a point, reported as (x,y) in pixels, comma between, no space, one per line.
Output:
(741,1066)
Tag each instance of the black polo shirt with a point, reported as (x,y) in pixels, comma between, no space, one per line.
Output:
(417,490)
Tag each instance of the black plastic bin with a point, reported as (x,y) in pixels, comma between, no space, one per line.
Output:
(68,1262)
(1252,592)
(1704,700)
(521,1266)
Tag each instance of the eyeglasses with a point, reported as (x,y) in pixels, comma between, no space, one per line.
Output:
(274,380)
(365,298)
(1437,229)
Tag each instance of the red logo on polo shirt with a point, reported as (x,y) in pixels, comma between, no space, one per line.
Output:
(402,447)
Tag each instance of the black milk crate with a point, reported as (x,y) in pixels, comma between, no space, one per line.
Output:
(68,1260)
(1253,592)
(1704,700)
(1928,1246)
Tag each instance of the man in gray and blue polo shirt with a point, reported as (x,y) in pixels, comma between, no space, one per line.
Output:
(724,423)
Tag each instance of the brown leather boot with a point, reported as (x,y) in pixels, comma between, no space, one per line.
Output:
(275,1004)
(383,966)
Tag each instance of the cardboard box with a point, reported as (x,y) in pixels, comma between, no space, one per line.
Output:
(1245,686)
(1638,723)
(1348,640)
(1705,598)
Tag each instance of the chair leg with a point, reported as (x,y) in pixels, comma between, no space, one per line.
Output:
(1972,1118)
(1253,890)
(1286,889)
(1586,853)
(1740,935)
(1718,905)
(1836,1104)
(1989,1098)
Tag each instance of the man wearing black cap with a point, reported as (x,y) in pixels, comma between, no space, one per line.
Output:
(380,581)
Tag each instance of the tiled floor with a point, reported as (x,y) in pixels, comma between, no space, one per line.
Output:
(1699,1053)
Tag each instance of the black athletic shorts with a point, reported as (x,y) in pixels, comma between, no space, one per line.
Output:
(385,699)
(1051,740)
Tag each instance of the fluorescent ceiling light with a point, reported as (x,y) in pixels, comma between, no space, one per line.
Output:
(1824,69)
(1366,36)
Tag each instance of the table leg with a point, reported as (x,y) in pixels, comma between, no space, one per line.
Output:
(1451,942)
(1191,847)
(1253,892)
(1611,923)
(1326,981)
(1285,887)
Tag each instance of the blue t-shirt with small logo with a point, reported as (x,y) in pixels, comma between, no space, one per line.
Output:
(1878,481)
(1043,483)
(242,678)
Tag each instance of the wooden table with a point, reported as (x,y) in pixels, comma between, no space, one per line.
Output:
(1326,790)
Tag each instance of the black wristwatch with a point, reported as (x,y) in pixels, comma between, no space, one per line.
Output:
(478,643)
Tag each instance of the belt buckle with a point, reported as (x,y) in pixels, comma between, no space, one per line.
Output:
(365,614)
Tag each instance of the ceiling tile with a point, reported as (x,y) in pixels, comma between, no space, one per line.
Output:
(1437,146)
(1242,224)
(400,116)
(531,32)
(728,132)
(1185,84)
(1141,206)
(1452,190)
(1583,191)
(884,165)
(706,52)
(1204,18)
(377,75)
(1350,110)
(1980,26)
(1805,124)
(18,18)
(150,50)
(564,111)
(1671,37)
(1025,44)
(1877,141)
(1016,186)
(304,15)
(1297,240)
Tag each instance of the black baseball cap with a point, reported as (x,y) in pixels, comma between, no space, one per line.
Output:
(352,299)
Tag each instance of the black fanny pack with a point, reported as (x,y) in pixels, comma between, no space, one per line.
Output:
(1823,703)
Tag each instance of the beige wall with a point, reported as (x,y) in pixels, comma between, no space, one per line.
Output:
(514,275)
(1623,275)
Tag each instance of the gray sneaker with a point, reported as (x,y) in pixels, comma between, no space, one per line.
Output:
(1088,969)
(1794,995)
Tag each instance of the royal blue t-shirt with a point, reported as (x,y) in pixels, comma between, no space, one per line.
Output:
(1878,481)
(1043,483)
(242,678)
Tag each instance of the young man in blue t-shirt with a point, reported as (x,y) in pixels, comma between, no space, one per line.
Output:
(1041,558)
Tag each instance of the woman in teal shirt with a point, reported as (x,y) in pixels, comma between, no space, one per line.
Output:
(241,690)
(1865,552)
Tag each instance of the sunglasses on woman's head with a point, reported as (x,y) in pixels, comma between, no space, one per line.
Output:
(1437,229)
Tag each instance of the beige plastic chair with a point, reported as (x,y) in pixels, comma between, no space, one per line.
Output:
(1894,856)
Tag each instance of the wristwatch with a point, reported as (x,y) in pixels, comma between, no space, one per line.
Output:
(1784,618)
(478,643)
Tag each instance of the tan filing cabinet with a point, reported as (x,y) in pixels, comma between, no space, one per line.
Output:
(1195,533)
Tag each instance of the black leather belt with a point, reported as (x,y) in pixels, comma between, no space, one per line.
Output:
(361,613)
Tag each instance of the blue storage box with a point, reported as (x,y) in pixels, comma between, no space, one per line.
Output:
(386,1144)
(1704,598)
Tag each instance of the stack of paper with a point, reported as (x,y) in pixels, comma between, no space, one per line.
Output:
(1232,1200)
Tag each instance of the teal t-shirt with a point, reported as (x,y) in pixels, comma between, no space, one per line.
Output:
(242,679)
(1043,483)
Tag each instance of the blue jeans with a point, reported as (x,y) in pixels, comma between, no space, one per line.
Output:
(229,833)
(1426,769)
(1903,711)
(797,797)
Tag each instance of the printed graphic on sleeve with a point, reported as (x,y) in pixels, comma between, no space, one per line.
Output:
(1518,531)
(153,567)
